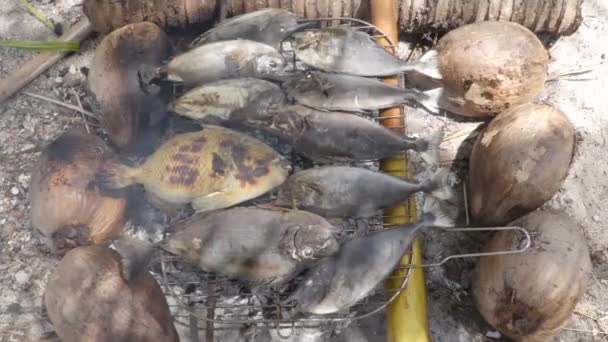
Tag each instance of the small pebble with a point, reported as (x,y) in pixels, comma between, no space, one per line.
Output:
(58,80)
(23,180)
(493,334)
(15,191)
(596,218)
(73,69)
(22,278)
(3,221)
(27,147)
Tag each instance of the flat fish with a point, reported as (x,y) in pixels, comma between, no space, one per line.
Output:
(222,60)
(347,51)
(255,245)
(343,191)
(340,281)
(269,26)
(346,92)
(212,169)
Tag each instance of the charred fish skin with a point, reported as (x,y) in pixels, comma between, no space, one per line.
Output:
(347,51)
(333,136)
(269,26)
(349,93)
(340,281)
(224,59)
(255,245)
(249,97)
(344,191)
(212,169)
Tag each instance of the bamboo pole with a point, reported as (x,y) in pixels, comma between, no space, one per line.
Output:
(407,314)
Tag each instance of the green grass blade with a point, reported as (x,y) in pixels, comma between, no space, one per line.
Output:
(42,45)
(39,15)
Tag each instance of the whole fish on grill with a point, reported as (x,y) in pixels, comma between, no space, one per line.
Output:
(341,280)
(349,51)
(222,60)
(212,169)
(222,99)
(334,136)
(255,245)
(270,26)
(346,92)
(343,191)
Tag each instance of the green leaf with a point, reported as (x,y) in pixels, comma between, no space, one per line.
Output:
(39,15)
(53,45)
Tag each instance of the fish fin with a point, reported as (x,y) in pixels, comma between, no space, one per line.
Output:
(216,200)
(437,213)
(427,65)
(412,94)
(438,185)
(428,147)
(115,175)
(432,100)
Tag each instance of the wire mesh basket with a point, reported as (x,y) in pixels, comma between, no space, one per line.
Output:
(210,301)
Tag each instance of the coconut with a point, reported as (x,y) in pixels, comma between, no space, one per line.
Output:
(63,198)
(518,163)
(530,296)
(123,62)
(488,67)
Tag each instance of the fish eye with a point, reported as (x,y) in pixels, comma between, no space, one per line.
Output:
(307,252)
(272,64)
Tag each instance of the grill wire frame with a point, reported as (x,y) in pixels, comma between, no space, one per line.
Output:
(372,304)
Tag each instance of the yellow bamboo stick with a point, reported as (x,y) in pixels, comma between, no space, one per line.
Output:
(407,314)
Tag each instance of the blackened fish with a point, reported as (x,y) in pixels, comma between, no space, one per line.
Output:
(334,136)
(224,59)
(270,26)
(255,245)
(340,281)
(342,191)
(348,51)
(346,92)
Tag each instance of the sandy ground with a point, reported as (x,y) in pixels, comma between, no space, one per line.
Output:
(27,124)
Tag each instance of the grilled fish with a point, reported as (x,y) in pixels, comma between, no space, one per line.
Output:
(255,245)
(342,191)
(222,99)
(346,92)
(348,51)
(222,60)
(212,169)
(341,280)
(270,26)
(334,136)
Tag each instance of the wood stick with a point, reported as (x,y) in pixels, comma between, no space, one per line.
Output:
(40,63)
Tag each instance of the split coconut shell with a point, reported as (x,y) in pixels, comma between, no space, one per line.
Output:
(490,66)
(518,163)
(530,296)
(123,63)
(90,297)
(65,206)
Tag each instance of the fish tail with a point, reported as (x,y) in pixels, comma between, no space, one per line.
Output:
(437,213)
(438,185)
(412,94)
(115,175)
(428,147)
(427,65)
